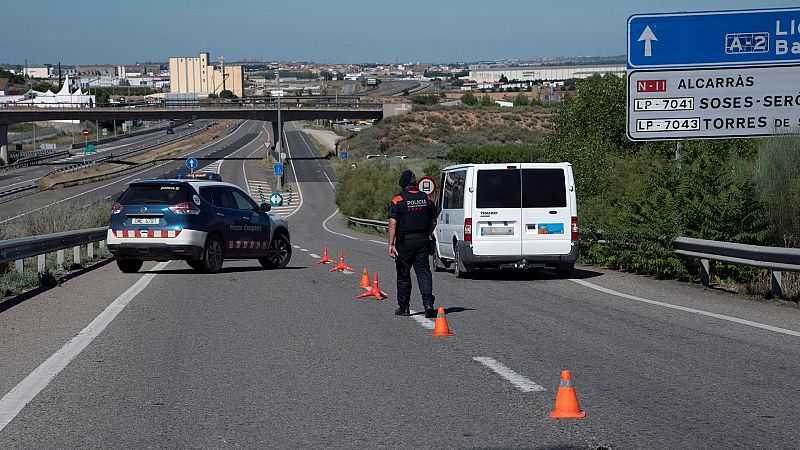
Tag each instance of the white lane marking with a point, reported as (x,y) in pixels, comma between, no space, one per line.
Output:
(244,172)
(300,131)
(314,255)
(220,139)
(377,242)
(303,250)
(749,323)
(329,180)
(424,321)
(520,382)
(296,246)
(325,226)
(27,389)
(294,172)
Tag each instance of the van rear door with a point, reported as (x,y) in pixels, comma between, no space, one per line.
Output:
(546,215)
(496,228)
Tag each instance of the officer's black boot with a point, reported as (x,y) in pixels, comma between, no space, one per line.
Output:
(402,311)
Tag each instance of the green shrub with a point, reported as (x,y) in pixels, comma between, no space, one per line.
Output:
(367,191)
(490,155)
(778,178)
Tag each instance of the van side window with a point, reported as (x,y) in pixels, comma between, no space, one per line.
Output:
(498,188)
(543,188)
(456,183)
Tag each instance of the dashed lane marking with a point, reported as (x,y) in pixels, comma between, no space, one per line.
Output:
(520,382)
(749,323)
(27,389)
(421,319)
(303,250)
(296,246)
(314,255)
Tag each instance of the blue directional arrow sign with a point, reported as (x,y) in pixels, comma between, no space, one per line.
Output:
(714,39)
(277,169)
(191,163)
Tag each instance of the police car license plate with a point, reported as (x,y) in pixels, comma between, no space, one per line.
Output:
(146,221)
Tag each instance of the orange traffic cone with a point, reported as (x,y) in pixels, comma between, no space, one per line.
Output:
(325,259)
(365,284)
(441,329)
(566,400)
(375,291)
(341,266)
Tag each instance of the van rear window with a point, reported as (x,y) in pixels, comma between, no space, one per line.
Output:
(543,188)
(497,189)
(167,194)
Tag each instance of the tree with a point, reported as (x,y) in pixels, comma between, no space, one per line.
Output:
(521,100)
(469,99)
(503,78)
(227,94)
(431,99)
(457,83)
(212,95)
(487,101)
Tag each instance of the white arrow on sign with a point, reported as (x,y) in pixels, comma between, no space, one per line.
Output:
(647,36)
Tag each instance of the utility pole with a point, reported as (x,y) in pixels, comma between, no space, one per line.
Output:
(279,138)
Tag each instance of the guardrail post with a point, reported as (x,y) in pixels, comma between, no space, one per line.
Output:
(76,255)
(18,265)
(90,250)
(705,270)
(59,258)
(777,283)
(40,263)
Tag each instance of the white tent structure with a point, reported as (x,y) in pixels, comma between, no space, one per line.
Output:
(62,99)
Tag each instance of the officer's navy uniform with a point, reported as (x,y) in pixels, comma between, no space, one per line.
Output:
(415,214)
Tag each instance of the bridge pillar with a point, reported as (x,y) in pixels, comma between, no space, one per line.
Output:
(275,134)
(4,142)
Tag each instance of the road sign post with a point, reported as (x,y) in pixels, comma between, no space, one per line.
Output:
(724,74)
(191,164)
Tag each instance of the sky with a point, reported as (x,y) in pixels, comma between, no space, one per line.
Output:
(329,31)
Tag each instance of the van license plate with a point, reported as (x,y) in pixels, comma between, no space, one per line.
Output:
(497,231)
(145,221)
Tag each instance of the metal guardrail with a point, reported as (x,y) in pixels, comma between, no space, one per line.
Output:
(368,222)
(26,247)
(775,259)
(11,194)
(35,160)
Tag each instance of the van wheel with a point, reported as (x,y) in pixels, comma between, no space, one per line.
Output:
(212,255)
(459,269)
(438,264)
(129,265)
(280,252)
(564,271)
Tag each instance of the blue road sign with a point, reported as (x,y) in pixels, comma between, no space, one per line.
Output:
(754,37)
(191,163)
(278,169)
(344,155)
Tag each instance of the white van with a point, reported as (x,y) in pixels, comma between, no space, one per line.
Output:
(516,215)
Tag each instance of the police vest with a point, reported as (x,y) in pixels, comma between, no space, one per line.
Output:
(414,212)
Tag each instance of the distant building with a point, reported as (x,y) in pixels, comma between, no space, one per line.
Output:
(196,76)
(547,73)
(38,72)
(3,86)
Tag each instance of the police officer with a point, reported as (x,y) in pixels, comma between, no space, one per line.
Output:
(412,218)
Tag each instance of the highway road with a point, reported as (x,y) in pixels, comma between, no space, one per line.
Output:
(92,192)
(28,175)
(289,358)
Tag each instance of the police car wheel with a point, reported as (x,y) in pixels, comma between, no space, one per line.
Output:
(212,255)
(129,265)
(279,254)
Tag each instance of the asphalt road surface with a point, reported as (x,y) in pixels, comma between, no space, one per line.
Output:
(88,193)
(290,358)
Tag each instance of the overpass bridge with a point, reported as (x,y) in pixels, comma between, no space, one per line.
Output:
(268,112)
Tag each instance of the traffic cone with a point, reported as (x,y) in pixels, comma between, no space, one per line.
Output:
(375,291)
(325,259)
(566,400)
(441,329)
(365,284)
(341,266)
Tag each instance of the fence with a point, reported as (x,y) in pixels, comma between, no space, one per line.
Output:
(26,247)
(776,259)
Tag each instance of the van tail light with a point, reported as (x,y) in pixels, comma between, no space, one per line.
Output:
(468,229)
(185,208)
(574,228)
(116,208)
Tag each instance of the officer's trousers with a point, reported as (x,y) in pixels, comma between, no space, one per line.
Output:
(413,252)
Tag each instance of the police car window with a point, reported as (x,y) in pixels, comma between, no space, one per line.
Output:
(168,194)
(242,201)
(498,189)
(543,188)
(219,196)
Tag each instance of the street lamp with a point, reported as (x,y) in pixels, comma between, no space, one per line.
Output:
(279,138)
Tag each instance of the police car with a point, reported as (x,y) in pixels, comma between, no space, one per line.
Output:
(198,219)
